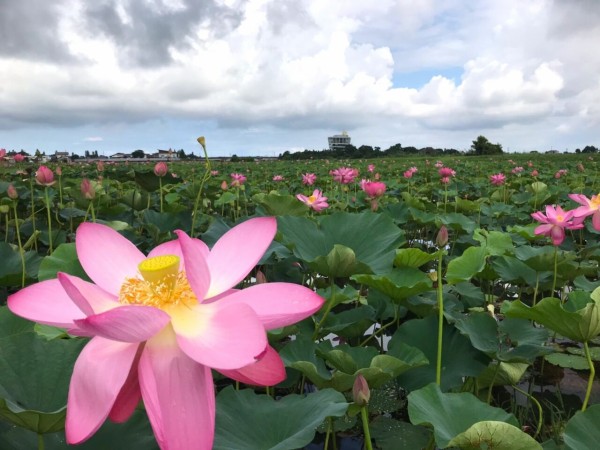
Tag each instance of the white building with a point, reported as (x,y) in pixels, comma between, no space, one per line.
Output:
(339,141)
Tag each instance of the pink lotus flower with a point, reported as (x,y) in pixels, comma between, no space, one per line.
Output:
(591,207)
(373,189)
(100,166)
(344,175)
(58,171)
(278,178)
(237,179)
(19,158)
(2,152)
(214,173)
(445,180)
(439,164)
(534,173)
(560,173)
(44,176)
(446,172)
(161,169)
(12,193)
(309,179)
(498,179)
(87,189)
(371,167)
(159,323)
(316,201)
(517,170)
(408,174)
(555,221)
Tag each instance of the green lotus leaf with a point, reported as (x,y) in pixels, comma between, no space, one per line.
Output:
(496,435)
(412,257)
(466,266)
(582,431)
(399,284)
(63,259)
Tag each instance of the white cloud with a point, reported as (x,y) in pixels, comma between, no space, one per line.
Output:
(93,139)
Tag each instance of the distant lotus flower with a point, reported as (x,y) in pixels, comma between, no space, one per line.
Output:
(309,179)
(237,179)
(446,172)
(408,174)
(498,179)
(214,173)
(58,171)
(344,175)
(413,169)
(161,169)
(278,178)
(224,185)
(44,176)
(160,323)
(87,189)
(591,207)
(438,165)
(534,173)
(316,201)
(517,170)
(2,152)
(100,166)
(529,164)
(560,173)
(373,189)
(371,167)
(445,180)
(19,158)
(555,221)
(12,192)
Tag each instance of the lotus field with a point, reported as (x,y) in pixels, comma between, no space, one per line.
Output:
(389,304)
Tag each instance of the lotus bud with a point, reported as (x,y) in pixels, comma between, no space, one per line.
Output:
(87,189)
(360,391)
(260,277)
(100,166)
(224,185)
(19,158)
(44,176)
(12,192)
(202,142)
(58,171)
(442,237)
(161,169)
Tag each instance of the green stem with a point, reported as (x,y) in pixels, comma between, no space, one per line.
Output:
(327,434)
(537,284)
(489,396)
(555,269)
(49,220)
(539,407)
(327,310)
(41,445)
(60,196)
(160,192)
(21,251)
(588,391)
(92,211)
(32,209)
(365,422)
(199,196)
(440,302)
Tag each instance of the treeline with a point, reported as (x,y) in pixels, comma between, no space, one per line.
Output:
(366,151)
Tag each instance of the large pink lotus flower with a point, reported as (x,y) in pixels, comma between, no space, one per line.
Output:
(555,221)
(19,158)
(373,189)
(237,179)
(309,179)
(498,179)
(316,201)
(159,323)
(590,207)
(446,172)
(344,175)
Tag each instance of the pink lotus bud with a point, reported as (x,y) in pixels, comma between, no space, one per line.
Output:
(58,171)
(87,189)
(12,192)
(260,277)
(44,176)
(100,166)
(161,169)
(360,391)
(224,185)
(442,237)
(534,173)
(2,152)
(19,158)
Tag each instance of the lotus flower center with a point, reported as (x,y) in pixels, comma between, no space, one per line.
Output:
(161,285)
(595,202)
(560,218)
(312,199)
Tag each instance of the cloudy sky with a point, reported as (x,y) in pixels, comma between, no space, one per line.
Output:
(266,76)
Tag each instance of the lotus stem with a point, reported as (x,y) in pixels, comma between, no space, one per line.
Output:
(440,302)
(160,193)
(539,407)
(489,396)
(21,251)
(49,220)
(365,422)
(588,391)
(555,269)
(327,310)
(41,445)
(205,177)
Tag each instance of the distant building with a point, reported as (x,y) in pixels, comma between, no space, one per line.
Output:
(339,141)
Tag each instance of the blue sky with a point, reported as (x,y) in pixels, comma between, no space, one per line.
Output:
(260,77)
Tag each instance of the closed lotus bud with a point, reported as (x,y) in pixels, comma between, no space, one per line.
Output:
(260,277)
(360,391)
(442,237)
(224,185)
(12,192)
(44,176)
(161,169)
(87,189)
(58,171)
(202,142)
(100,166)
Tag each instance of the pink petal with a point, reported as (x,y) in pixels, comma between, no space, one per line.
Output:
(98,376)
(130,323)
(106,256)
(174,248)
(45,302)
(557,234)
(544,229)
(267,371)
(219,336)
(581,199)
(196,268)
(238,251)
(540,217)
(278,304)
(178,395)
(90,298)
(583,211)
(596,220)
(129,396)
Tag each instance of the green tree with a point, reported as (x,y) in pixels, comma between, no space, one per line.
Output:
(481,146)
(138,154)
